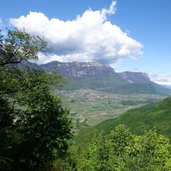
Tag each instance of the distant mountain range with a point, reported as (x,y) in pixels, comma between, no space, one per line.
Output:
(101,77)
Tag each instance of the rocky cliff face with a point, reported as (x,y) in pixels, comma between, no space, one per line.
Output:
(82,69)
(135,77)
(79,69)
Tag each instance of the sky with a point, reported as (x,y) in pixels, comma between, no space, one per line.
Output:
(126,34)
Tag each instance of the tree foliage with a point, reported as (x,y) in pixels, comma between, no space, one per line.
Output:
(121,150)
(18,46)
(34,127)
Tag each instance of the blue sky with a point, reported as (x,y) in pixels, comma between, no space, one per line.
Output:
(146,23)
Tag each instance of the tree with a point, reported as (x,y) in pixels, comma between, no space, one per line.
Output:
(18,46)
(34,126)
(121,150)
(149,152)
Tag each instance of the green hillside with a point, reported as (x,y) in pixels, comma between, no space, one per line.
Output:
(155,116)
(108,83)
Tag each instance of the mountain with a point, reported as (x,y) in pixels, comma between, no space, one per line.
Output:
(154,116)
(79,69)
(101,77)
(135,77)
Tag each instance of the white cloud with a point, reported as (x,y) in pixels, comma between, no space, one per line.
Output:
(163,79)
(88,37)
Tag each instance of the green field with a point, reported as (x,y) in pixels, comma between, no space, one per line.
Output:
(92,107)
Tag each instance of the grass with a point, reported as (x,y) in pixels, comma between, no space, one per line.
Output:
(154,116)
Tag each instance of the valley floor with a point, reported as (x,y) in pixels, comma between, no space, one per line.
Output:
(90,107)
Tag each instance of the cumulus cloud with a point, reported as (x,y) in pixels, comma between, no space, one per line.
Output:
(163,79)
(88,37)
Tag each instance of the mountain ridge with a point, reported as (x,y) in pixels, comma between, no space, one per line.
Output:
(92,69)
(132,77)
(79,69)
(101,77)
